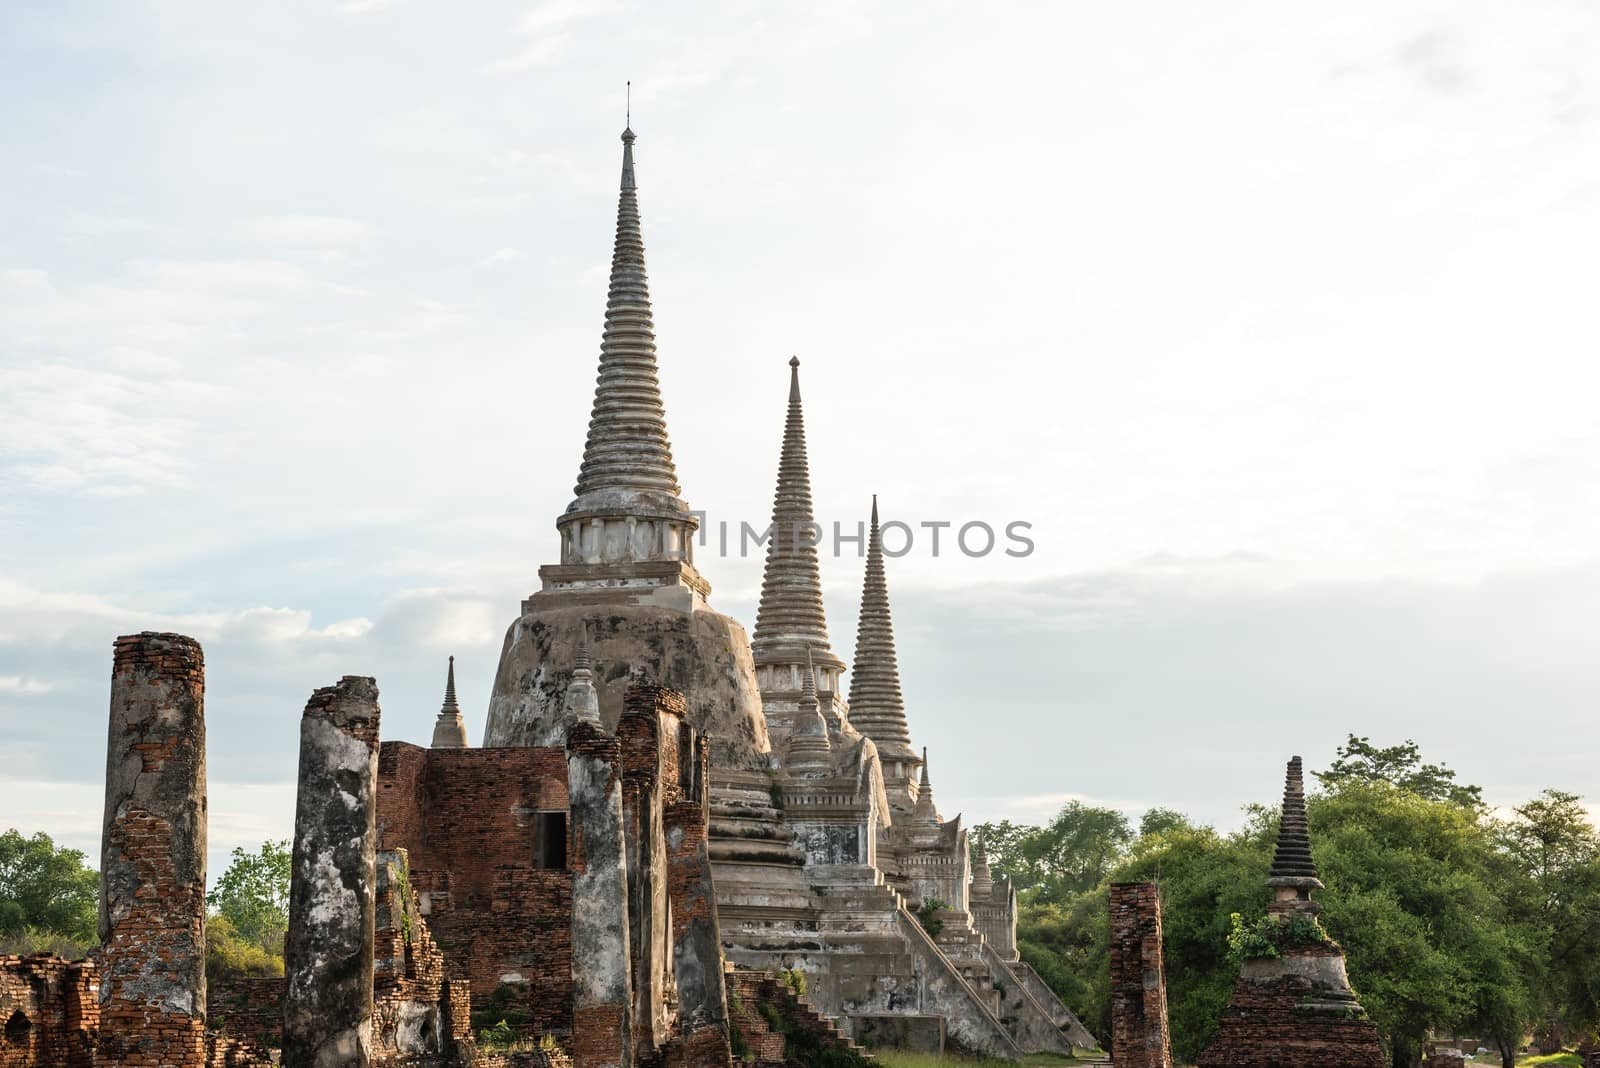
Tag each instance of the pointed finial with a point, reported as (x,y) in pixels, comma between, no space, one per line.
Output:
(627,126)
(1291,862)
(794,380)
(583,660)
(924,779)
(450,688)
(808,685)
(449,729)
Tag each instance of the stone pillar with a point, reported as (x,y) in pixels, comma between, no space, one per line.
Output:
(153,856)
(696,938)
(602,1034)
(1139,1037)
(328,961)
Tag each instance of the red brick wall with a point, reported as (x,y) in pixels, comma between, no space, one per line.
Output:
(248,1007)
(465,817)
(1262,1027)
(1139,1036)
(59,1006)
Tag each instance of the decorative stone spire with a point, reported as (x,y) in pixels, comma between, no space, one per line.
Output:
(876,707)
(810,750)
(982,878)
(1292,865)
(450,730)
(790,620)
(628,449)
(925,816)
(582,701)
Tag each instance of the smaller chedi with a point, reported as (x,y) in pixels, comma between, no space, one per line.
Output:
(1293,1005)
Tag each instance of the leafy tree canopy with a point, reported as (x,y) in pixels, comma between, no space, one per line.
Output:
(1401,766)
(253,895)
(44,888)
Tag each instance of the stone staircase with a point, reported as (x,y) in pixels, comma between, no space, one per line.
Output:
(780,1028)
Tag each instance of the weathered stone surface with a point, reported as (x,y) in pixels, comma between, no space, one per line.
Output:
(704,655)
(328,959)
(153,856)
(602,993)
(1139,1035)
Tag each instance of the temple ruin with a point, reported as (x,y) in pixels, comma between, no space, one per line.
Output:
(668,828)
(1295,1007)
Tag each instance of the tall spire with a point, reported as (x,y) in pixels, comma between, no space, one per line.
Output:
(876,706)
(582,702)
(627,448)
(450,730)
(809,749)
(1292,864)
(790,618)
(925,821)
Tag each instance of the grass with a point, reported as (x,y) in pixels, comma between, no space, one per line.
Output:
(894,1059)
(1553,1060)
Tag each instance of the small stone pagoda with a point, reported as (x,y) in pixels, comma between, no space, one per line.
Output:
(1295,1008)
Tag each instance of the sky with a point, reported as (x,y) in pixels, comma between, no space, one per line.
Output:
(1273,321)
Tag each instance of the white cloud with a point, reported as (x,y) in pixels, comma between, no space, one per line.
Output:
(315,230)
(21,686)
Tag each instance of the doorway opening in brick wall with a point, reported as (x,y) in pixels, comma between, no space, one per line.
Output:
(550,840)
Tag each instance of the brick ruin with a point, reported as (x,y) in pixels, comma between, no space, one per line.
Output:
(658,798)
(1139,1036)
(1296,1007)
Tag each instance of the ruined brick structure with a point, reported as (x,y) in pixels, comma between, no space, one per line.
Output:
(1139,1036)
(1296,1008)
(580,903)
(49,1012)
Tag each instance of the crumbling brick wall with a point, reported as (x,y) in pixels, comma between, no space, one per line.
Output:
(49,1012)
(1263,1026)
(153,856)
(248,1008)
(1139,1035)
(466,818)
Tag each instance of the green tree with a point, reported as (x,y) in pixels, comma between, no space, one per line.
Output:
(46,889)
(1401,766)
(253,895)
(1554,845)
(1068,856)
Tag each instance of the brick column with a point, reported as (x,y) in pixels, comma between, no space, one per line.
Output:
(601,964)
(328,961)
(1139,1037)
(696,937)
(153,856)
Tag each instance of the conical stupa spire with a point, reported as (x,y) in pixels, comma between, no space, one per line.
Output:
(809,749)
(1292,864)
(982,877)
(627,448)
(582,702)
(790,618)
(450,730)
(877,708)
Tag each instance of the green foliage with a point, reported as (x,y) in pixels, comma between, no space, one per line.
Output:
(1360,762)
(1449,918)
(1268,937)
(795,980)
(927,915)
(229,955)
(32,940)
(47,890)
(253,895)
(1070,855)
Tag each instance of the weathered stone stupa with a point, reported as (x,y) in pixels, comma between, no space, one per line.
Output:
(626,565)
(1295,1008)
